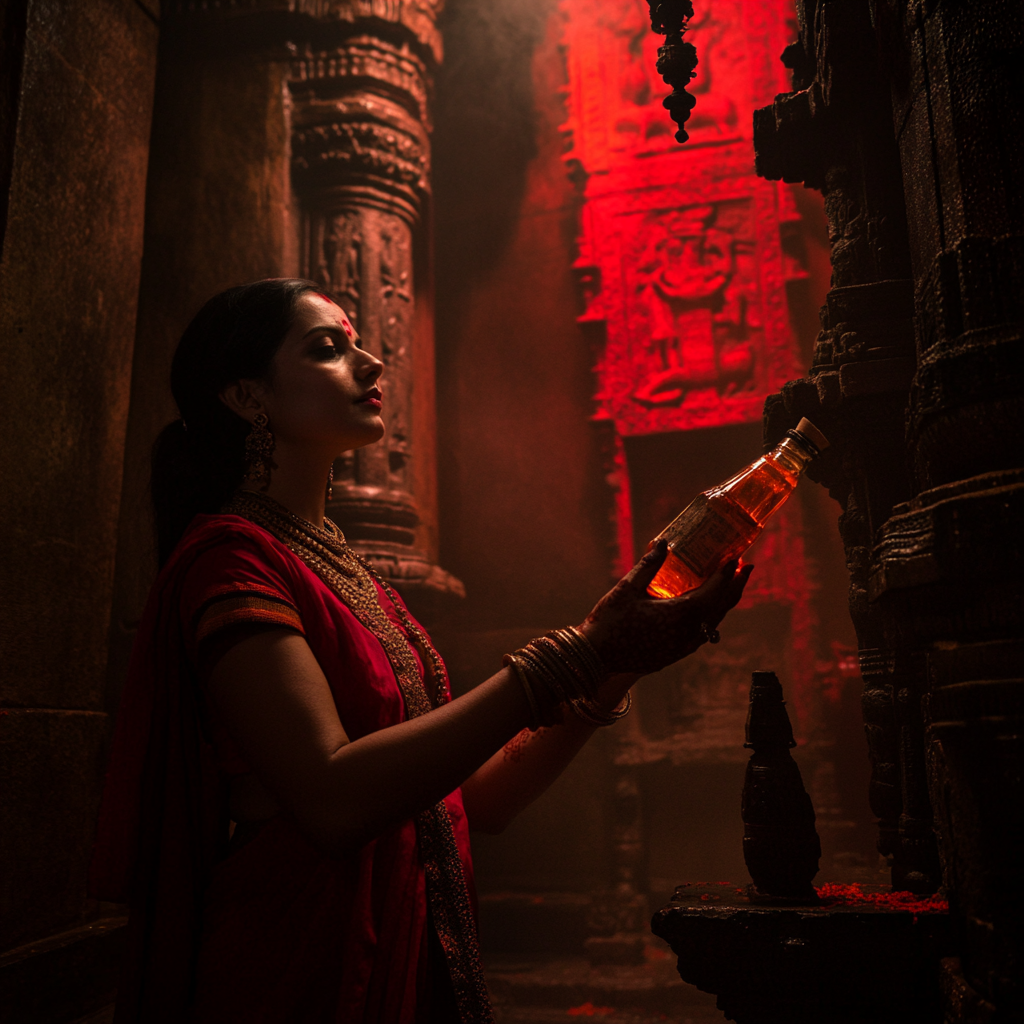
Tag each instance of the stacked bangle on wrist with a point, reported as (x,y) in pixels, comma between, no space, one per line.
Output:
(562,668)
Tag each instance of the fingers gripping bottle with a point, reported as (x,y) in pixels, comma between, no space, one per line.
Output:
(723,522)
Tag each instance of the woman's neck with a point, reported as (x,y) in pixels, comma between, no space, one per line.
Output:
(299,484)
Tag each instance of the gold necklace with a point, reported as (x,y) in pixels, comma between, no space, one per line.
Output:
(327,553)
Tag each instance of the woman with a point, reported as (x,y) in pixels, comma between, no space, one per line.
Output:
(276,683)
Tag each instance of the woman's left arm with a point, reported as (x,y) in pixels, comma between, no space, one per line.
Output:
(624,633)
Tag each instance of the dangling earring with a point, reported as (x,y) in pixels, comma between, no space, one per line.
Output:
(259,447)
(330,485)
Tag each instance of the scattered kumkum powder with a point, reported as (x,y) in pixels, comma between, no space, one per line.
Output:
(590,1010)
(652,954)
(832,893)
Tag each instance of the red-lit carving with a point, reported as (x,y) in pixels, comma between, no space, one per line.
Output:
(681,245)
(680,258)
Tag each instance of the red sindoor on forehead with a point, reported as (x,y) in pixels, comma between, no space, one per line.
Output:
(346,325)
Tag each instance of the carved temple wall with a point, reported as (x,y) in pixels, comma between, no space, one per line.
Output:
(683,266)
(610,319)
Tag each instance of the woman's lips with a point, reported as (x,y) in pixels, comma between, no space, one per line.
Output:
(372,398)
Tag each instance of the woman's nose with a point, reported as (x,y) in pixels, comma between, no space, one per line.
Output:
(372,367)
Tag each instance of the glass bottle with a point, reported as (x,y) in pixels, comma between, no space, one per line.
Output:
(723,522)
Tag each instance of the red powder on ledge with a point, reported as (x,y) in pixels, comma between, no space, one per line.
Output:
(832,893)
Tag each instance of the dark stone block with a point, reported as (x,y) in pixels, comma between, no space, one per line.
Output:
(947,534)
(848,963)
(71,254)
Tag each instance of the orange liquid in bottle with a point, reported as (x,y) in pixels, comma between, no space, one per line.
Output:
(723,522)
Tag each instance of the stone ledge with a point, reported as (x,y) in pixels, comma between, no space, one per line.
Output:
(62,977)
(804,964)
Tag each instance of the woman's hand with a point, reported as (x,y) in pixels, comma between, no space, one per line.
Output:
(636,633)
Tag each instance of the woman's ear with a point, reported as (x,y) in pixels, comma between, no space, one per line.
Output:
(243,398)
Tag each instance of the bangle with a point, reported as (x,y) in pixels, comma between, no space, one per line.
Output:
(563,668)
(537,718)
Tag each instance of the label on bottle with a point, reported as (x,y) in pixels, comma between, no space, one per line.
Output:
(705,535)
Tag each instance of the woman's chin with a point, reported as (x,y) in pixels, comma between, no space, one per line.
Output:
(371,434)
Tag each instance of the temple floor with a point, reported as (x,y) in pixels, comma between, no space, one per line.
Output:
(536,991)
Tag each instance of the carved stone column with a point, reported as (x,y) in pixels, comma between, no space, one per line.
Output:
(361,170)
(834,132)
(948,565)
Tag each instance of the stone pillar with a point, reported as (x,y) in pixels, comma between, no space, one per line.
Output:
(948,565)
(834,132)
(361,167)
(76,97)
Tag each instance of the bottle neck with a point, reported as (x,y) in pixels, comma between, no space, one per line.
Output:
(793,453)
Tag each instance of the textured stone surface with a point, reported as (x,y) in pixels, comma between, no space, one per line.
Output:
(72,247)
(49,797)
(53,981)
(81,85)
(68,287)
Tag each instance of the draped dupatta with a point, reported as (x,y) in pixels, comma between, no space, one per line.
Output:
(163,821)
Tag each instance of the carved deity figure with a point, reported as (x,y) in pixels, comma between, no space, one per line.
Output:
(684,279)
(339,267)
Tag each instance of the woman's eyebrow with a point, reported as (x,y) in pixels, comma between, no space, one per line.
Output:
(334,328)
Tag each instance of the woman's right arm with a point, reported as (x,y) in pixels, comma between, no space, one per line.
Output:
(273,697)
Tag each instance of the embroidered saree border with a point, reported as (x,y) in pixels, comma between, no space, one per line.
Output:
(242,603)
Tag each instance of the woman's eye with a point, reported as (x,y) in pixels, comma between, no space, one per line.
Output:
(327,351)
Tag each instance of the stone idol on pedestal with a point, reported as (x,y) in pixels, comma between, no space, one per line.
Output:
(780,951)
(780,843)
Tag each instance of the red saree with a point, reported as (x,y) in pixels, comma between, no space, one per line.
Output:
(275,932)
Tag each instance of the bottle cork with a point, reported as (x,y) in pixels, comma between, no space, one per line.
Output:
(812,433)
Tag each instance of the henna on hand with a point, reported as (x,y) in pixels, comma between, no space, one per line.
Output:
(634,632)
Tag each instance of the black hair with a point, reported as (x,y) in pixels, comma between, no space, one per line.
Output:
(199,459)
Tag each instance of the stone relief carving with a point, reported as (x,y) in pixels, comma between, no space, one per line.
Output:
(697,313)
(339,264)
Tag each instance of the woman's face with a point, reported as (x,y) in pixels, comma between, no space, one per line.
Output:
(323,388)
